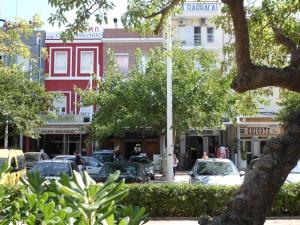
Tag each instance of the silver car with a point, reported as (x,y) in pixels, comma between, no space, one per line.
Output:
(215,172)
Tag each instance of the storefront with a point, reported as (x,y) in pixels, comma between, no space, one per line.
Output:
(61,139)
(252,134)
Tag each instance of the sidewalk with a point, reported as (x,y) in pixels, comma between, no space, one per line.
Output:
(195,222)
(180,177)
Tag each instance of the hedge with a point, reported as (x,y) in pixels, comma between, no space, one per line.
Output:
(185,200)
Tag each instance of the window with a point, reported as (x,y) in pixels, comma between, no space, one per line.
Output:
(86,61)
(210,35)
(24,62)
(197,36)
(21,162)
(122,63)
(60,62)
(60,104)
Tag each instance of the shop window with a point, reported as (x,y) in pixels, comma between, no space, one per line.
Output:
(210,35)
(86,61)
(122,63)
(60,62)
(197,36)
(60,104)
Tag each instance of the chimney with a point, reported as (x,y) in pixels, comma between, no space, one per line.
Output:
(116,22)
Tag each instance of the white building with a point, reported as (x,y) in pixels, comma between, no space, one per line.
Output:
(193,28)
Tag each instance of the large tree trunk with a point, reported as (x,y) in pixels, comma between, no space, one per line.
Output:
(253,201)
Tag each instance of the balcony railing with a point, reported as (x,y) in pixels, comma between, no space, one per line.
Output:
(51,118)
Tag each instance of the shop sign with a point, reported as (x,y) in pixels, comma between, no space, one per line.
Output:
(61,131)
(258,131)
(200,7)
(92,33)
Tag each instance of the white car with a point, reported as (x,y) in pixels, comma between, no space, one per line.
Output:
(92,165)
(215,172)
(294,175)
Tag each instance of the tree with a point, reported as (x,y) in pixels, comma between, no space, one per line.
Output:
(278,22)
(21,99)
(139,102)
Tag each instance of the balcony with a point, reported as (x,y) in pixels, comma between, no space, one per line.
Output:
(64,118)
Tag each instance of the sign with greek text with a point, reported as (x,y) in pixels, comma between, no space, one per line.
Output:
(200,7)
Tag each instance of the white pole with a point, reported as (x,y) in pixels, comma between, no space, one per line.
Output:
(6,135)
(170,145)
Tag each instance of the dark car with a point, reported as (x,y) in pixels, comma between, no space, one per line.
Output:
(146,164)
(131,172)
(53,169)
(32,158)
(104,155)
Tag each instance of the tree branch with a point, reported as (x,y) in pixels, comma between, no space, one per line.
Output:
(250,76)
(289,44)
(238,15)
(164,10)
(263,76)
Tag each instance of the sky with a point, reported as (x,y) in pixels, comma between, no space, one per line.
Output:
(9,9)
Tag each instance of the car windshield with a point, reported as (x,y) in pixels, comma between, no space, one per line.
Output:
(65,158)
(104,157)
(52,169)
(32,157)
(296,168)
(125,170)
(216,168)
(140,160)
(2,161)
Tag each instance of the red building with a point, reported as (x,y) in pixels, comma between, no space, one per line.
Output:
(69,66)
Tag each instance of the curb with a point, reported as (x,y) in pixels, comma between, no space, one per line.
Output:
(197,218)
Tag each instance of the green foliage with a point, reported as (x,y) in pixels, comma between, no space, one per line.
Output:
(201,95)
(69,201)
(290,102)
(10,36)
(21,100)
(85,9)
(185,200)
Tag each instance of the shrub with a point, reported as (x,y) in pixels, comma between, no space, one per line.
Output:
(184,200)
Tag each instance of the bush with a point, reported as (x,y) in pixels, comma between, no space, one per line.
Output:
(184,200)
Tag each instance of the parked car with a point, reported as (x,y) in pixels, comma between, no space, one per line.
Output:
(294,175)
(15,160)
(53,169)
(32,158)
(215,172)
(146,164)
(91,165)
(104,155)
(131,172)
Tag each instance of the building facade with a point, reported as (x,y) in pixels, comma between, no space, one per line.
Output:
(124,45)
(69,66)
(193,29)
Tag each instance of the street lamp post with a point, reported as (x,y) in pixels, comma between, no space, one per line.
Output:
(170,145)
(6,135)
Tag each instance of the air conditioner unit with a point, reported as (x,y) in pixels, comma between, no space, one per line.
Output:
(203,21)
(181,22)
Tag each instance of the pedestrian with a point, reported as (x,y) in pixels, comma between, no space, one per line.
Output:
(175,162)
(204,156)
(79,162)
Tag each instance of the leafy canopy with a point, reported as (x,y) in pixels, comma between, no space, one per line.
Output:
(21,99)
(201,95)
